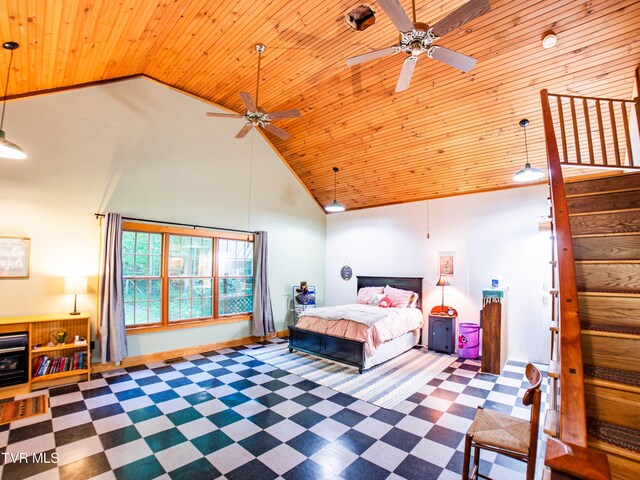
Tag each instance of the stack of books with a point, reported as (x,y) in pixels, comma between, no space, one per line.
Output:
(45,365)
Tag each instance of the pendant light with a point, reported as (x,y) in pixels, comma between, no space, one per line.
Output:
(528,173)
(334,206)
(9,149)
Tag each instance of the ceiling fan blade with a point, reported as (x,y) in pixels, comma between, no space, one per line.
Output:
(278,132)
(396,14)
(284,114)
(244,130)
(462,15)
(248,101)
(406,73)
(365,57)
(454,59)
(224,115)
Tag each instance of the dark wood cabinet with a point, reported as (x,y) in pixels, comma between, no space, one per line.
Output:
(441,335)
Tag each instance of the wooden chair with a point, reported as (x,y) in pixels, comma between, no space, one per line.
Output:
(504,434)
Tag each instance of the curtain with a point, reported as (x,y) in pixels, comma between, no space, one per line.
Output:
(262,323)
(113,336)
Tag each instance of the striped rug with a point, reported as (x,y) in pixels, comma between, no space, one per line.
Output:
(384,385)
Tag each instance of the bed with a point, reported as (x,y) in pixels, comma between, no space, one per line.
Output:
(357,352)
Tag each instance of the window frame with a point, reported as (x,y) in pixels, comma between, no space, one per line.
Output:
(166,231)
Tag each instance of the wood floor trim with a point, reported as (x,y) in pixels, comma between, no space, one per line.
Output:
(181,352)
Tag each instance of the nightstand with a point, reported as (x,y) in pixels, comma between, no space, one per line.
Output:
(441,336)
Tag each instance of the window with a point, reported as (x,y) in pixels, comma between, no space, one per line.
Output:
(170,276)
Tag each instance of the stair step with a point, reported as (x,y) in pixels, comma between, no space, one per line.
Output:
(623,464)
(604,202)
(603,184)
(621,276)
(618,435)
(553,327)
(623,221)
(613,377)
(618,352)
(615,247)
(609,308)
(554,369)
(611,328)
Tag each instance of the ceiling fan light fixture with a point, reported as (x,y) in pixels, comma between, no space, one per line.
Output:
(335,206)
(9,149)
(528,173)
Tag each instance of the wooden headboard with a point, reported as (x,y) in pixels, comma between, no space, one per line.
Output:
(405,283)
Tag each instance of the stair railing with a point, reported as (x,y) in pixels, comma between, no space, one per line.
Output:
(567,454)
(597,132)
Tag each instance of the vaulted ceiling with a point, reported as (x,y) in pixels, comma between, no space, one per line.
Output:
(449,133)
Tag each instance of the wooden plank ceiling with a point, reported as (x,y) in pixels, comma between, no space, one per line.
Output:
(450,133)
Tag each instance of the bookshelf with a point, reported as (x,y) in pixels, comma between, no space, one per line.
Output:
(76,367)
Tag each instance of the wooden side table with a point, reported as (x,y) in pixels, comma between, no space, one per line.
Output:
(494,331)
(441,336)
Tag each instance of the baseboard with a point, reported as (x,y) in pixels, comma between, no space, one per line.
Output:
(181,352)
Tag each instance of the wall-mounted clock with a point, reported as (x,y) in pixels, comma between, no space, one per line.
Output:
(346,272)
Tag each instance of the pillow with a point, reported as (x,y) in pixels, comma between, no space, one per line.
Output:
(385,302)
(413,301)
(399,298)
(365,294)
(375,301)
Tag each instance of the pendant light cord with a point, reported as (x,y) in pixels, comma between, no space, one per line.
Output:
(335,184)
(526,150)
(6,87)
(258,80)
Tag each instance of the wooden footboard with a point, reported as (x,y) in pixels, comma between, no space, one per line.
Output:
(341,350)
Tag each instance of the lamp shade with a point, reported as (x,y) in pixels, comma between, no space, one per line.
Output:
(443,281)
(10,150)
(75,285)
(528,174)
(334,206)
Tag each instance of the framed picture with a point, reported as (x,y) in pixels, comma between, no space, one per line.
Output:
(14,257)
(446,261)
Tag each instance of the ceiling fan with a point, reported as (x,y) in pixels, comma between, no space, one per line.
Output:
(256,116)
(417,38)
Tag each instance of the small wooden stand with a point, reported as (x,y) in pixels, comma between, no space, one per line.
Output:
(441,336)
(494,334)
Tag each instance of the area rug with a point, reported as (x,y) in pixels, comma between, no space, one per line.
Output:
(20,409)
(384,385)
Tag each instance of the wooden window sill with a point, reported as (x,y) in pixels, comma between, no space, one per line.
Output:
(187,324)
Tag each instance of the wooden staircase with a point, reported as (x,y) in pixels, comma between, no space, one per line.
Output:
(604,216)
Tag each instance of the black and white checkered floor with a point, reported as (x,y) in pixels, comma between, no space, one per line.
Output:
(225,414)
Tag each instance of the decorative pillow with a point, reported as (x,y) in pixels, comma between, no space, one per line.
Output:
(413,301)
(385,302)
(375,301)
(365,294)
(399,298)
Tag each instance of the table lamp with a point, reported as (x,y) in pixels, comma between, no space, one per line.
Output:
(74,286)
(442,282)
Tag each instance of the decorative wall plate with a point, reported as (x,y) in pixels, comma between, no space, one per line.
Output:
(346,272)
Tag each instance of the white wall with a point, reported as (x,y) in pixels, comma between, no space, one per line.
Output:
(494,235)
(144,150)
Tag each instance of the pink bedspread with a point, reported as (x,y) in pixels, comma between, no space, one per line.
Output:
(396,322)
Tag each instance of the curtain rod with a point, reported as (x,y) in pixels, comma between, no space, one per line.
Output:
(181,224)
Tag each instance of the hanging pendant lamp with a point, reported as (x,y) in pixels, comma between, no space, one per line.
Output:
(528,173)
(334,206)
(9,149)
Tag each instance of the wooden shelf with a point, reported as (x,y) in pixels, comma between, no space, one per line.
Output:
(40,329)
(58,347)
(54,376)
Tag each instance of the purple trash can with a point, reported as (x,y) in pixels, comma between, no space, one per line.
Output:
(468,340)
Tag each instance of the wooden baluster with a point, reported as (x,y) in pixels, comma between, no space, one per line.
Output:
(603,144)
(587,123)
(576,139)
(614,132)
(565,156)
(627,132)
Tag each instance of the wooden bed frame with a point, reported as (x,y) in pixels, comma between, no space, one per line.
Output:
(343,350)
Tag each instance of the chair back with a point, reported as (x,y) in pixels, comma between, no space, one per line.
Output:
(532,397)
